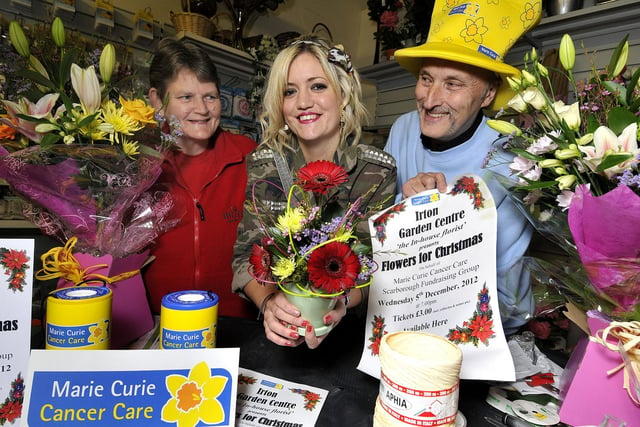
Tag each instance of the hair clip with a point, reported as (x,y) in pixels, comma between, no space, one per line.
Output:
(338,56)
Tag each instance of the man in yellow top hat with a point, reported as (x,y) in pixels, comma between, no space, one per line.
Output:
(461,72)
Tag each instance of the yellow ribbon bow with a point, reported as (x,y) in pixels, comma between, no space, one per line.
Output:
(59,262)
(627,344)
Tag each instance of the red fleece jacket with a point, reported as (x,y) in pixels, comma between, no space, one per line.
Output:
(196,254)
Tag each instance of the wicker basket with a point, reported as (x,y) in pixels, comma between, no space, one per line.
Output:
(193,23)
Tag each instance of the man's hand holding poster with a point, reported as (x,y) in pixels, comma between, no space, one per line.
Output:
(436,273)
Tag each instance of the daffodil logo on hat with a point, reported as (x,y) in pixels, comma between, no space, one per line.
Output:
(478,33)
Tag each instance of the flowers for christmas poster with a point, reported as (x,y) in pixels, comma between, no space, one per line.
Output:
(16,257)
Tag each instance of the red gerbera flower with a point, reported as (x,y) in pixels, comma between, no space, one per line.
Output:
(320,176)
(260,261)
(481,328)
(333,267)
(14,260)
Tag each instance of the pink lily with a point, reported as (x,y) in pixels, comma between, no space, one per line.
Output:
(40,110)
(87,86)
(605,142)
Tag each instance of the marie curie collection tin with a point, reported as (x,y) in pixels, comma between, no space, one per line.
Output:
(188,319)
(79,318)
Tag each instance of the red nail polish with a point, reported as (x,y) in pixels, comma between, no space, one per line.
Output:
(305,323)
(327,320)
(288,343)
(309,328)
(294,335)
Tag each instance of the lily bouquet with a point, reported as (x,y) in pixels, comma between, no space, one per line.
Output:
(576,177)
(311,249)
(83,154)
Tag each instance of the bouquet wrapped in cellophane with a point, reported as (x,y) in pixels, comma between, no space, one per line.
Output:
(576,170)
(575,176)
(83,154)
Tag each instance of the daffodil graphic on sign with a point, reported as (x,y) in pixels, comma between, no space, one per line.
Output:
(99,332)
(208,337)
(194,398)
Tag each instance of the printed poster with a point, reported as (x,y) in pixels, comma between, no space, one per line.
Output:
(16,290)
(138,388)
(270,401)
(436,258)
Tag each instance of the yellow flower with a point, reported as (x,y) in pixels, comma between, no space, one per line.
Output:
(194,399)
(284,268)
(117,117)
(291,221)
(96,130)
(130,148)
(138,110)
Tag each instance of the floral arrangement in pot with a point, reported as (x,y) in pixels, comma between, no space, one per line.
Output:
(311,251)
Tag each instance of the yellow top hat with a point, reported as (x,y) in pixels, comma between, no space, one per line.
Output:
(478,33)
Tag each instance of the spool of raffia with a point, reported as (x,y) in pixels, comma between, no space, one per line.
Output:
(419,380)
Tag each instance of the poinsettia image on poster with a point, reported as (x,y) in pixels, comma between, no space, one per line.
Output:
(311,399)
(479,327)
(11,408)
(377,333)
(15,264)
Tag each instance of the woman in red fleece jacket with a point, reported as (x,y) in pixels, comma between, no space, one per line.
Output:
(206,177)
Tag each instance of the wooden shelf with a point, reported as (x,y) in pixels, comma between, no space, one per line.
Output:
(235,67)
(16,223)
(598,28)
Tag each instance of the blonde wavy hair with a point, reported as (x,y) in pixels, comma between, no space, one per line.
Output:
(344,80)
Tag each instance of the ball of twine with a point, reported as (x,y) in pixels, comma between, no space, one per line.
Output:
(417,361)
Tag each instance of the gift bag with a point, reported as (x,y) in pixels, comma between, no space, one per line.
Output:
(588,392)
(130,314)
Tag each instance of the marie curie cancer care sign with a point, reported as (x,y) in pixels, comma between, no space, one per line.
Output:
(132,388)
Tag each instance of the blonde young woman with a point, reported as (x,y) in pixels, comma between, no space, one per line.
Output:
(312,111)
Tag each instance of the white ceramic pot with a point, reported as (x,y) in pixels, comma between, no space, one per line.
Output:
(313,309)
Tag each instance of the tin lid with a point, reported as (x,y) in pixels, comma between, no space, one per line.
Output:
(190,300)
(80,292)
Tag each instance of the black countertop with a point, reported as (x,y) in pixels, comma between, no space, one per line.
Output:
(332,366)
